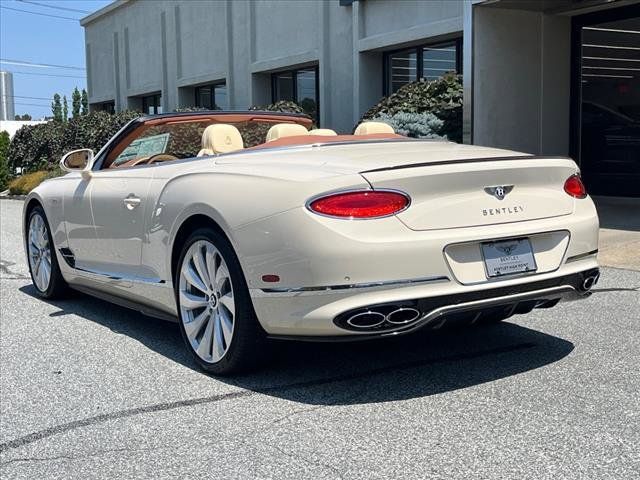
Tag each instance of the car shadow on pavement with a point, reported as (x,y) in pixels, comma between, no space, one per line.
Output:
(422,364)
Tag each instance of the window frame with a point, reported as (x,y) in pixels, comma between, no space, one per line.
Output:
(212,86)
(294,76)
(157,103)
(418,50)
(108,106)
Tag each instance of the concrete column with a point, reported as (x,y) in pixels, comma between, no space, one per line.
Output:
(521,80)
(325,66)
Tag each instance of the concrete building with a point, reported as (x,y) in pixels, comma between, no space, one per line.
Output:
(7,110)
(552,77)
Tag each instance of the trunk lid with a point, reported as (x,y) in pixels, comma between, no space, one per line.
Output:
(463,193)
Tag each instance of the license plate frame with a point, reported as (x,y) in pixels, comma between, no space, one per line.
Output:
(513,256)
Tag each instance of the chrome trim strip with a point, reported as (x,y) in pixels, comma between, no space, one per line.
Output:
(293,290)
(581,256)
(120,277)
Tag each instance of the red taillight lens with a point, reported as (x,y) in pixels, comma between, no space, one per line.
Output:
(574,187)
(370,204)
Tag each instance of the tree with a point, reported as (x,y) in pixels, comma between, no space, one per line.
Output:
(25,117)
(5,172)
(56,108)
(76,102)
(65,109)
(85,102)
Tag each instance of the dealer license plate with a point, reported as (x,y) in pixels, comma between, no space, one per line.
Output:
(508,257)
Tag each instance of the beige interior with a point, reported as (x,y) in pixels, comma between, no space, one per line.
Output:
(367,128)
(220,138)
(282,130)
(323,131)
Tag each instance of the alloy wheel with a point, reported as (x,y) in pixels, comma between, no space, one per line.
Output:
(39,252)
(207,304)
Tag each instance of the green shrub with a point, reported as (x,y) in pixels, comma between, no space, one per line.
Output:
(27,182)
(5,171)
(40,147)
(190,109)
(23,184)
(441,97)
(280,106)
(415,125)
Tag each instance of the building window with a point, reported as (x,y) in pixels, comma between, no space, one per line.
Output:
(151,104)
(109,107)
(300,86)
(425,61)
(212,96)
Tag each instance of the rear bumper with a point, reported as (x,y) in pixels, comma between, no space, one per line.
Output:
(329,267)
(322,315)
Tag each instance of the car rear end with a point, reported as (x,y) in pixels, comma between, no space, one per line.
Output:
(434,239)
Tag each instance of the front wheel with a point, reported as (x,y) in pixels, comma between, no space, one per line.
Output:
(43,264)
(217,320)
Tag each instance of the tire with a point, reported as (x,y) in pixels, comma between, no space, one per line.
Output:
(216,316)
(41,256)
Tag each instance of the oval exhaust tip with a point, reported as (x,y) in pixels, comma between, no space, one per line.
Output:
(368,319)
(402,316)
(588,283)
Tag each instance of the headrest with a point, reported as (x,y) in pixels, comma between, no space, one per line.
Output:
(220,138)
(367,128)
(282,130)
(323,131)
(206,152)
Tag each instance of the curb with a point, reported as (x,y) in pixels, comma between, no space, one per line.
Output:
(12,197)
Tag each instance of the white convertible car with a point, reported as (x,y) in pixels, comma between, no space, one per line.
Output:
(248,226)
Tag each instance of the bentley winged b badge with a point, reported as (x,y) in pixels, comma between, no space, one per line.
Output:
(499,191)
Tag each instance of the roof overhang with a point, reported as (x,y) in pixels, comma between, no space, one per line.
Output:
(102,12)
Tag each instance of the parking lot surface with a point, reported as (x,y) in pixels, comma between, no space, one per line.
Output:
(92,390)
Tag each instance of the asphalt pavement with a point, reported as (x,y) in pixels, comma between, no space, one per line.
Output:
(92,390)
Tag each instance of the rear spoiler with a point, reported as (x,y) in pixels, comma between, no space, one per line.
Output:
(467,160)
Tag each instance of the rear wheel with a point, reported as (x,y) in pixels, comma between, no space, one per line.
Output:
(43,264)
(217,319)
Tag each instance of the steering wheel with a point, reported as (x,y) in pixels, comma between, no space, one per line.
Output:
(161,157)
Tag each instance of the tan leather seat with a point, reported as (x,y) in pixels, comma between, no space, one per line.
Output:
(367,128)
(282,130)
(327,132)
(220,138)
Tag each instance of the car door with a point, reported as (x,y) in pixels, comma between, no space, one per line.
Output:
(119,204)
(118,194)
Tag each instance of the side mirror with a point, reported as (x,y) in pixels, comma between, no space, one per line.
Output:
(78,161)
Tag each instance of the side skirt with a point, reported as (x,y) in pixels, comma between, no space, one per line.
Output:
(123,302)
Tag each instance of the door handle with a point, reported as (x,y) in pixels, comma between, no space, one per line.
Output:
(131,201)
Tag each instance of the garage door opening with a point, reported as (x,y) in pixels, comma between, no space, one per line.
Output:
(607,108)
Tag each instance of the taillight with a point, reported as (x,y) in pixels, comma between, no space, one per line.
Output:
(574,186)
(365,204)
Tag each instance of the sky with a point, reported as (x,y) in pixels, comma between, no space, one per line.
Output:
(41,37)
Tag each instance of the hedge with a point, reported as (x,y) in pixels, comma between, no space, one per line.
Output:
(40,147)
(415,125)
(5,172)
(441,97)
